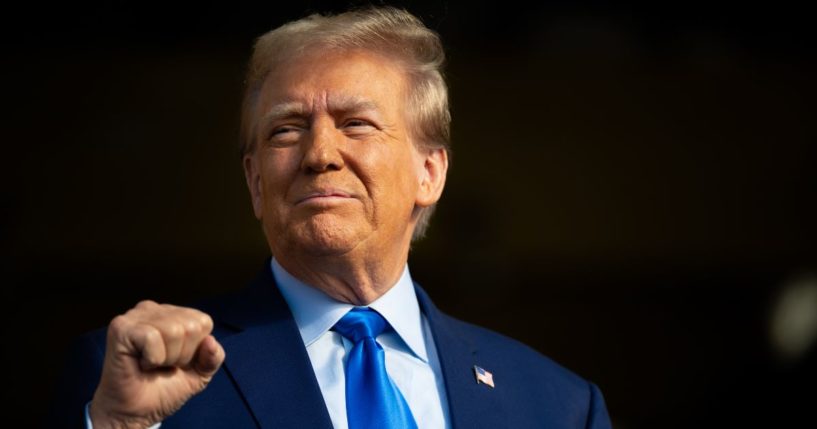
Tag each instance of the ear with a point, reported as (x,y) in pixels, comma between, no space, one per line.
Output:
(252,175)
(432,176)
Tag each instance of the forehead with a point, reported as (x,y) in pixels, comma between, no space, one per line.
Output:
(323,78)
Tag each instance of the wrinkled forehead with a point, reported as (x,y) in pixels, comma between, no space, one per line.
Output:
(332,103)
(333,80)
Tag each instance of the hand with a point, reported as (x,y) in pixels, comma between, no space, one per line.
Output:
(157,357)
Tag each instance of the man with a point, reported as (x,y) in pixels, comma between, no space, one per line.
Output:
(345,134)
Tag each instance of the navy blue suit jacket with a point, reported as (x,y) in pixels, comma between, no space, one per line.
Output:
(267,380)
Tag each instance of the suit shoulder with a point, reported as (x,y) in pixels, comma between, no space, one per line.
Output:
(532,388)
(526,363)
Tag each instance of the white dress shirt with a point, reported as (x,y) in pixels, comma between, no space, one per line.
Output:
(411,357)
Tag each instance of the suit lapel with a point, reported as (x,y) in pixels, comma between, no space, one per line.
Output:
(268,362)
(471,405)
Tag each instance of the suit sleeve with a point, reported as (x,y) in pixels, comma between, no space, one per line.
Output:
(76,384)
(597,417)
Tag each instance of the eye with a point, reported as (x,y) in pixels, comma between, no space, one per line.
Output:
(282,130)
(356,123)
(284,134)
(358,126)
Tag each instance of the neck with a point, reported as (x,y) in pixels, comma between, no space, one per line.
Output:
(350,278)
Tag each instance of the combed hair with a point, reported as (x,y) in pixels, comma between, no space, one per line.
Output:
(387,31)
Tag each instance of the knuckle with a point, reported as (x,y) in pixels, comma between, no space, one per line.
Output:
(146,304)
(191,327)
(118,324)
(151,335)
(167,308)
(175,330)
(206,322)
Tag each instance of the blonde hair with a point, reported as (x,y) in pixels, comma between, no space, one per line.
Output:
(387,31)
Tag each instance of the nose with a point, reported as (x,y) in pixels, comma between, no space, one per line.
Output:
(322,152)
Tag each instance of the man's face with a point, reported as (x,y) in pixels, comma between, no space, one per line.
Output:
(334,168)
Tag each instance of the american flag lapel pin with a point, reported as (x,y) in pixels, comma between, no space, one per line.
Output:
(484,376)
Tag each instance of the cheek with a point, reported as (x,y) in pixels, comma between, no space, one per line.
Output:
(407,169)
(278,169)
(399,181)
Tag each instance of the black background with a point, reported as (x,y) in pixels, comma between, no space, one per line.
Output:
(632,186)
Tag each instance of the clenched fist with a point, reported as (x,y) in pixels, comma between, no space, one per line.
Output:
(157,357)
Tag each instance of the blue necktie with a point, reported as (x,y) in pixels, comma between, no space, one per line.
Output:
(372,399)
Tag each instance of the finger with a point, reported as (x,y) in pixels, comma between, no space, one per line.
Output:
(209,357)
(149,346)
(196,329)
(173,335)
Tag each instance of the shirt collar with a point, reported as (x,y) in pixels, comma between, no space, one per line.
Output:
(315,312)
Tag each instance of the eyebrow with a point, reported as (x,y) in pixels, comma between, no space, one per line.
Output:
(342,104)
(352,104)
(285,110)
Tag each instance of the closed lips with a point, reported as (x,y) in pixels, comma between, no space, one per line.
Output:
(324,194)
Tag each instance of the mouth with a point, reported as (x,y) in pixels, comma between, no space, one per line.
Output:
(326,196)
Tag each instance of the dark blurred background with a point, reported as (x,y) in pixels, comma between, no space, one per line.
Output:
(632,190)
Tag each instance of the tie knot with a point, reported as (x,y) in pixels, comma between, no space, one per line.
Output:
(360,323)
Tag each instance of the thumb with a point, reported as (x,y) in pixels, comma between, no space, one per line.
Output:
(208,357)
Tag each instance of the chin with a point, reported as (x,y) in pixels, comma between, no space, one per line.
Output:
(324,237)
